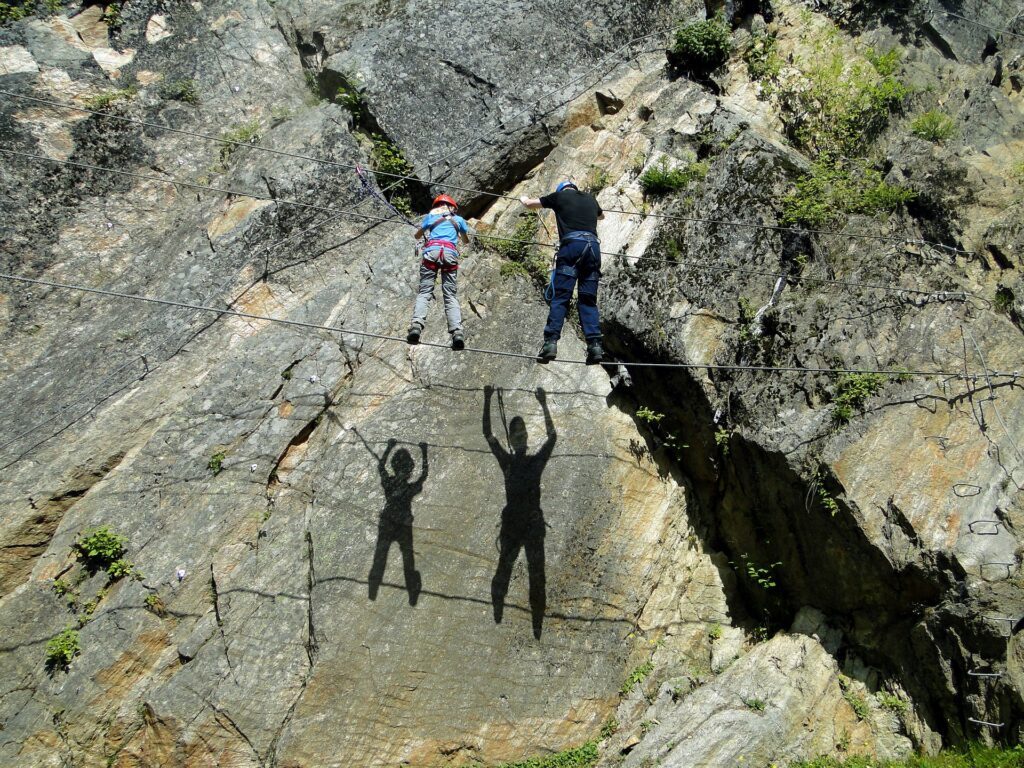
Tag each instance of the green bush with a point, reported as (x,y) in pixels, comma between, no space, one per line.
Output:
(1003,300)
(19,10)
(831,191)
(852,391)
(60,650)
(933,126)
(216,463)
(387,158)
(975,756)
(762,58)
(520,253)
(660,179)
(101,101)
(838,107)
(701,48)
(180,90)
(584,756)
(247,133)
(636,677)
(99,548)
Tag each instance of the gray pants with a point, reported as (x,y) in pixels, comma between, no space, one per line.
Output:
(425,296)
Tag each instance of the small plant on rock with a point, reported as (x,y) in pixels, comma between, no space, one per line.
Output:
(852,392)
(99,548)
(610,727)
(636,677)
(61,649)
(701,48)
(933,126)
(715,632)
(248,133)
(892,702)
(660,179)
(519,251)
(102,101)
(112,16)
(180,90)
(1002,302)
(722,437)
(584,756)
(758,705)
(216,463)
(155,604)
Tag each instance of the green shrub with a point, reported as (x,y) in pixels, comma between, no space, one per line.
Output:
(933,126)
(112,16)
(387,158)
(60,650)
(715,632)
(852,391)
(758,705)
(216,463)
(701,48)
(1003,300)
(974,756)
(648,416)
(181,90)
(119,569)
(101,101)
(762,58)
(722,436)
(155,604)
(610,727)
(584,756)
(837,107)
(660,179)
(831,191)
(892,702)
(99,548)
(636,677)
(15,11)
(520,252)
(247,133)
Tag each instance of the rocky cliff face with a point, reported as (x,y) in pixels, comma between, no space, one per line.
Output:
(727,564)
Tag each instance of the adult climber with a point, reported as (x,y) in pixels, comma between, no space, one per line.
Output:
(441,230)
(578,262)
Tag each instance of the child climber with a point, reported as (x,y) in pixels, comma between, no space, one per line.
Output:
(441,229)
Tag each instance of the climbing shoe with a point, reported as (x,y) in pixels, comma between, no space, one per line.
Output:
(413,336)
(548,352)
(458,341)
(595,353)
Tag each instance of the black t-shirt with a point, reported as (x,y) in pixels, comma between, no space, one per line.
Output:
(574,211)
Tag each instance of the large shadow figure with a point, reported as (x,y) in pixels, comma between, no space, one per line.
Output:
(522,519)
(395,524)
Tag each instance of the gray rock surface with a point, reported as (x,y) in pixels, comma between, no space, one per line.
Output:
(243,459)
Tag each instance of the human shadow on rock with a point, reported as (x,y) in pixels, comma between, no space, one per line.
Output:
(395,524)
(522,519)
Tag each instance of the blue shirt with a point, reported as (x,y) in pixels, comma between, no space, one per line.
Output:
(447,230)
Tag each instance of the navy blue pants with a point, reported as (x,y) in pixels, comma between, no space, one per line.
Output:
(578,261)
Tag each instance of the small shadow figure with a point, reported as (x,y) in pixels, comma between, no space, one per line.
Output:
(395,524)
(522,519)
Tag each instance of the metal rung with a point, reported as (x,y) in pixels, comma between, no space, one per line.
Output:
(972,673)
(965,490)
(995,563)
(994,523)
(985,723)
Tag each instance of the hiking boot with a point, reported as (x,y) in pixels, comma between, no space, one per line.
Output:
(595,353)
(413,337)
(548,352)
(458,341)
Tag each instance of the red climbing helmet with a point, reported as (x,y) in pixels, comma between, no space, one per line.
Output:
(444,199)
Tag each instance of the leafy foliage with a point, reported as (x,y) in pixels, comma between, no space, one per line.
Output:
(830,191)
(247,133)
(758,705)
(15,11)
(99,548)
(216,463)
(763,60)
(636,677)
(101,101)
(60,650)
(584,756)
(520,253)
(660,179)
(975,756)
(701,48)
(180,90)
(933,126)
(1003,300)
(852,391)
(761,575)
(892,702)
(386,159)
(838,106)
